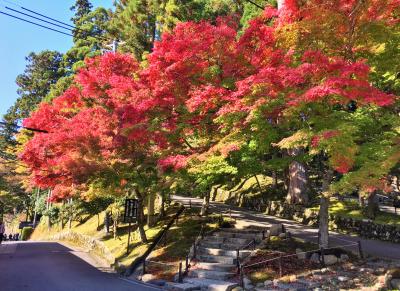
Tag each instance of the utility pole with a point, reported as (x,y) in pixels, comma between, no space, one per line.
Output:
(114,45)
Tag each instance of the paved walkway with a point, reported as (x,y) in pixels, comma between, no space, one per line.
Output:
(51,266)
(247,218)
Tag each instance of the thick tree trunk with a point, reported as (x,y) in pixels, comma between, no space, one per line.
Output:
(140,218)
(324,222)
(298,181)
(324,211)
(205,205)
(150,210)
(372,208)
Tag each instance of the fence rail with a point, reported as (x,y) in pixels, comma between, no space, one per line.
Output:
(279,259)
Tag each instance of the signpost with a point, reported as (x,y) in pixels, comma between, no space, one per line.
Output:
(130,213)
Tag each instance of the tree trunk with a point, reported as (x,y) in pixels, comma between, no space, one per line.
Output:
(205,205)
(162,206)
(107,222)
(324,211)
(140,218)
(361,200)
(274,180)
(372,208)
(298,180)
(258,183)
(150,210)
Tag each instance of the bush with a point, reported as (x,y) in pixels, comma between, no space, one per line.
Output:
(26,232)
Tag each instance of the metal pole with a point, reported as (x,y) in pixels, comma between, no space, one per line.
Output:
(187,264)
(129,237)
(360,251)
(237,260)
(180,273)
(241,276)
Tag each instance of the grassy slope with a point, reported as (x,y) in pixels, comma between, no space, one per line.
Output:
(352,210)
(179,238)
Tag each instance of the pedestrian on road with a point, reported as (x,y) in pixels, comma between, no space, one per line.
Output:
(2,230)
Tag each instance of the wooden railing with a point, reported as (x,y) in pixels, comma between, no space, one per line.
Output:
(157,240)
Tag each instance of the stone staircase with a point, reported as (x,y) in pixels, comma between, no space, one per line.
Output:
(215,265)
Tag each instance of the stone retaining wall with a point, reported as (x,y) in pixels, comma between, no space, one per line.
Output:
(92,245)
(364,228)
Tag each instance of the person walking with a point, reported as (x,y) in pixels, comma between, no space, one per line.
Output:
(2,230)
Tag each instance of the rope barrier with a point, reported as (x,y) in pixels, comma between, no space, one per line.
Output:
(296,254)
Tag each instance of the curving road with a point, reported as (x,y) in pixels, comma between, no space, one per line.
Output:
(51,266)
(247,218)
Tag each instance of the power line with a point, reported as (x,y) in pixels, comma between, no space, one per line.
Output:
(34,23)
(73,28)
(37,18)
(255,4)
(69,27)
(24,127)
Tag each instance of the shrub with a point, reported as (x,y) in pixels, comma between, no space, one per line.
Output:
(26,232)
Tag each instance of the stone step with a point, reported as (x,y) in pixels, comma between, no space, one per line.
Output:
(227,240)
(215,266)
(224,246)
(217,259)
(222,252)
(172,286)
(211,285)
(250,236)
(237,230)
(214,275)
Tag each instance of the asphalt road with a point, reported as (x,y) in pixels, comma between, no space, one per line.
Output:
(50,266)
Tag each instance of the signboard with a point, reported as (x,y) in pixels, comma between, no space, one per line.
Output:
(131,209)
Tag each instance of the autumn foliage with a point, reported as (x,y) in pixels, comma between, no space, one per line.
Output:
(204,92)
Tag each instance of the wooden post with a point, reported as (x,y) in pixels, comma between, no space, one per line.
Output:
(180,273)
(129,237)
(280,266)
(144,267)
(241,276)
(360,251)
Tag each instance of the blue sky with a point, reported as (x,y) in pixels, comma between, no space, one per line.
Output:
(18,39)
